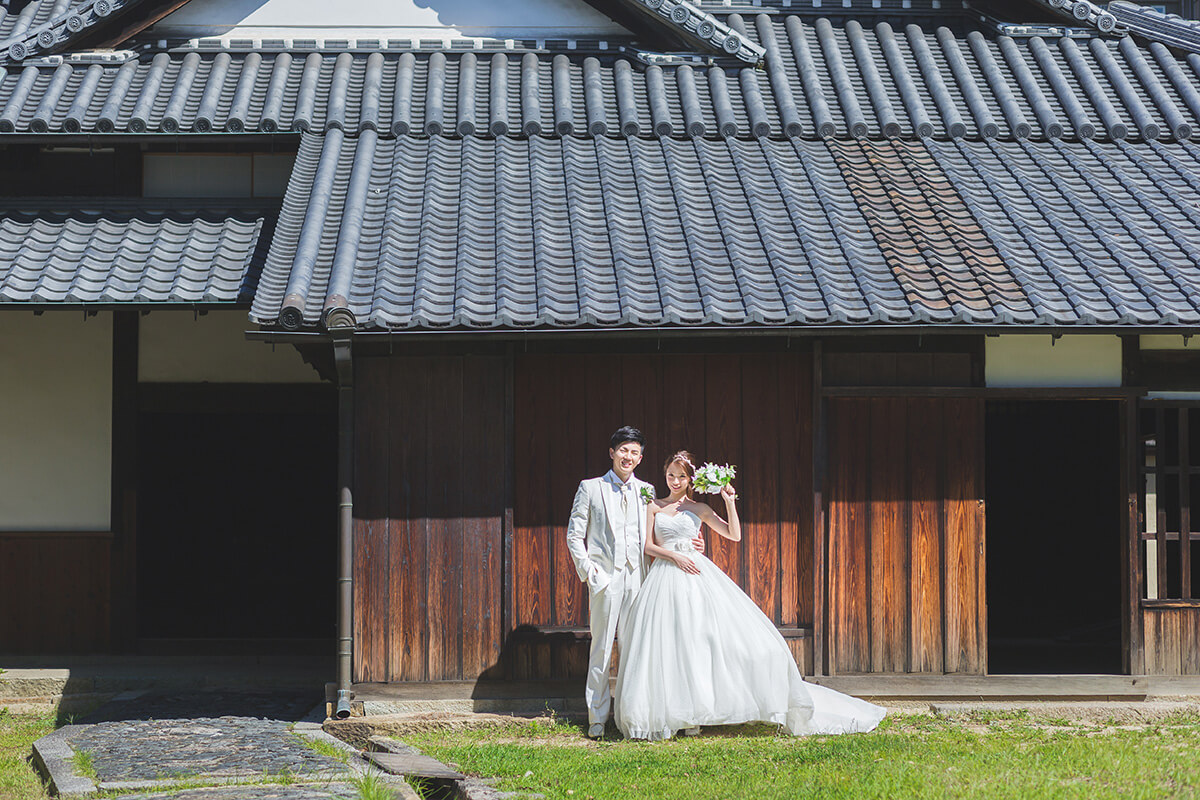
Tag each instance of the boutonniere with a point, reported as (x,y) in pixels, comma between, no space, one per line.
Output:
(647,493)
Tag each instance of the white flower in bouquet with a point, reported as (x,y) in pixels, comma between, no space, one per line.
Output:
(711,478)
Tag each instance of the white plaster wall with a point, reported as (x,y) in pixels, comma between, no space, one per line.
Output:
(177,346)
(1168,342)
(296,18)
(1032,361)
(55,420)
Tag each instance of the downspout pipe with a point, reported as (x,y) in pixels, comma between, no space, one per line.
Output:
(344,362)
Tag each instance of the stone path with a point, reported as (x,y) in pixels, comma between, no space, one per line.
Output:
(153,742)
(226,746)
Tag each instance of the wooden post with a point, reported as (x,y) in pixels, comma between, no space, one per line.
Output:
(507,620)
(1132,646)
(123,606)
(819,535)
(1185,509)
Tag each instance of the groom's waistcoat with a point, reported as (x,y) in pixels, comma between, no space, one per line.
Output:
(626,531)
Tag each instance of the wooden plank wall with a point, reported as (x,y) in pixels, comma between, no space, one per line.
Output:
(429,510)
(1172,640)
(906,570)
(54,592)
(752,410)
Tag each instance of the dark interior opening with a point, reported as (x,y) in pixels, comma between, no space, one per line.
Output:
(237,519)
(1053,537)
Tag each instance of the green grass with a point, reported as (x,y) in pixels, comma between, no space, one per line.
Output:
(371,785)
(82,762)
(972,755)
(18,732)
(324,748)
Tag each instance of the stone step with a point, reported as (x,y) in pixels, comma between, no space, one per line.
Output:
(63,704)
(22,683)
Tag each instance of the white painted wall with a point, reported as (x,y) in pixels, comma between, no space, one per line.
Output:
(1032,361)
(55,420)
(177,346)
(1168,342)
(396,18)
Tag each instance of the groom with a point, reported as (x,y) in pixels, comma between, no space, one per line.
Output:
(610,513)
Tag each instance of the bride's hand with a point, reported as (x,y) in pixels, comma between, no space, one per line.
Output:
(728,493)
(685,564)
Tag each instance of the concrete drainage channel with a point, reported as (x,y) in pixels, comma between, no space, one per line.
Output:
(434,780)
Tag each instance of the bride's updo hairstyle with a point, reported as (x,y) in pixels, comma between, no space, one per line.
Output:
(686,460)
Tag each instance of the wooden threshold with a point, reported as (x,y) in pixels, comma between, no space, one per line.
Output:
(1131,688)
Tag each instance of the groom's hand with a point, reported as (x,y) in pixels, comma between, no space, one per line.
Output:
(698,543)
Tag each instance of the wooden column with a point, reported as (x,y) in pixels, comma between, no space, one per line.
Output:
(123,524)
(820,542)
(1132,645)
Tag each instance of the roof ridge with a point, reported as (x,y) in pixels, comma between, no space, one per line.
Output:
(62,29)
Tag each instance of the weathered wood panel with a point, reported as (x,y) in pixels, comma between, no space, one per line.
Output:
(55,592)
(924,469)
(482,529)
(753,411)
(905,535)
(1172,640)
(848,608)
(723,435)
(429,510)
(372,557)
(965,649)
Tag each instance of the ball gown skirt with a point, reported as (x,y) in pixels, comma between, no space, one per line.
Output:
(697,651)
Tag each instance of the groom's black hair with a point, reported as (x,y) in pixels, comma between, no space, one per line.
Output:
(625,434)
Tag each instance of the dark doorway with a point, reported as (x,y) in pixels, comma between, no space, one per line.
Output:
(1053,537)
(237,518)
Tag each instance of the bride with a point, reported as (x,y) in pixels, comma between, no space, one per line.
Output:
(697,651)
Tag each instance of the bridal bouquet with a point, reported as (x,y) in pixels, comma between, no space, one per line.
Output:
(710,478)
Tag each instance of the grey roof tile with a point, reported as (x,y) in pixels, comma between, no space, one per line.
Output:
(112,252)
(547,232)
(50,26)
(820,80)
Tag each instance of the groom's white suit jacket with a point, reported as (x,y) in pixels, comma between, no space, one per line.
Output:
(597,505)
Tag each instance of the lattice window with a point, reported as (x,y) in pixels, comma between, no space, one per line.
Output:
(1169,478)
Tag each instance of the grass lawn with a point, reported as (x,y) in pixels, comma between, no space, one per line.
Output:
(18,732)
(1010,755)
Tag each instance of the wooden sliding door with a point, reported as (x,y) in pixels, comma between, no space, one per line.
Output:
(905,536)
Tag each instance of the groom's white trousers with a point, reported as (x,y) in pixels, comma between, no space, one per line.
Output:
(608,609)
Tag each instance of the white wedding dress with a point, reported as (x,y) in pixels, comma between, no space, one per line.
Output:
(696,650)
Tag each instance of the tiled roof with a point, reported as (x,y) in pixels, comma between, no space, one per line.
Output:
(820,81)
(47,26)
(1169,29)
(428,233)
(89,251)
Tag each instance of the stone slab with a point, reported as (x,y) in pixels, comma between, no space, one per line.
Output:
(335,791)
(413,764)
(52,756)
